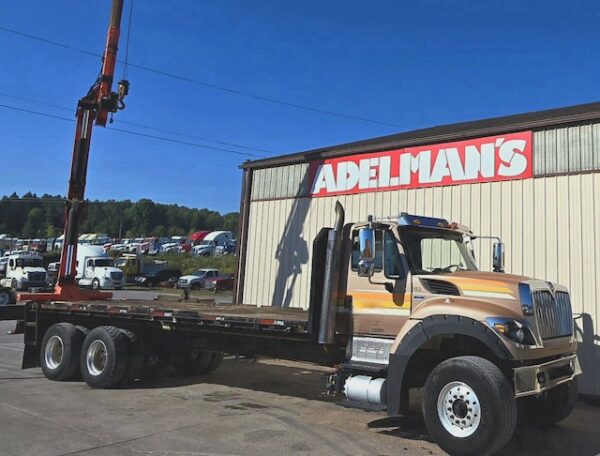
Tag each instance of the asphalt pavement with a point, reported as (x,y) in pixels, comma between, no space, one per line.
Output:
(263,407)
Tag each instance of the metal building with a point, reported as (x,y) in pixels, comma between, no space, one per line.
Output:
(546,209)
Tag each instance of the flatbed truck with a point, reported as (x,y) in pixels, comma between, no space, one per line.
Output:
(486,347)
(394,305)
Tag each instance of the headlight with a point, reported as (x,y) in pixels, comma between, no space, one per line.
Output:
(515,330)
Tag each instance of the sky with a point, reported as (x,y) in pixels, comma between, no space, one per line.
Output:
(408,65)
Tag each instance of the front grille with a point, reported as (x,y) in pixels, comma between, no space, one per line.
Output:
(116,276)
(553,314)
(440,287)
(36,276)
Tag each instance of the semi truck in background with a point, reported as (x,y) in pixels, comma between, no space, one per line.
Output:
(96,269)
(395,306)
(25,270)
(211,242)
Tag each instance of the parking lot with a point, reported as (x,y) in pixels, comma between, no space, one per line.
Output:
(245,408)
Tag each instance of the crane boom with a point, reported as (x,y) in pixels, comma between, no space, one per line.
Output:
(95,106)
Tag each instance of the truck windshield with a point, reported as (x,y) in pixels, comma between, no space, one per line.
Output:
(29,263)
(199,273)
(104,262)
(432,251)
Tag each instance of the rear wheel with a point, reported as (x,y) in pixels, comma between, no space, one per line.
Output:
(60,351)
(469,406)
(551,406)
(104,357)
(197,362)
(5,297)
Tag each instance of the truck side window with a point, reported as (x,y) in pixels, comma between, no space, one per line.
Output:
(378,250)
(393,268)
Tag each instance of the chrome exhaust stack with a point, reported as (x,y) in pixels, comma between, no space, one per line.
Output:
(331,279)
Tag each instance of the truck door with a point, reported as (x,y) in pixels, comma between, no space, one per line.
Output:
(89,269)
(381,303)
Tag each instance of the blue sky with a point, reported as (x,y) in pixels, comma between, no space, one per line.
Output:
(413,64)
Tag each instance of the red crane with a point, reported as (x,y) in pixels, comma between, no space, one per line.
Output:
(95,106)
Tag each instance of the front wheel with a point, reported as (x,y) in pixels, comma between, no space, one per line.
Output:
(95,284)
(14,285)
(551,406)
(469,406)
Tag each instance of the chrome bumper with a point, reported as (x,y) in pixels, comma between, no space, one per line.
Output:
(541,377)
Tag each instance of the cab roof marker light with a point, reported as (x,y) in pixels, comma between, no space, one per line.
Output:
(408,219)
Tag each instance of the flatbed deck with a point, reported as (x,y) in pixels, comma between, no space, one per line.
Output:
(205,312)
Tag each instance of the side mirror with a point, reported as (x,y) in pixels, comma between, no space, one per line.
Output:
(498,257)
(366,261)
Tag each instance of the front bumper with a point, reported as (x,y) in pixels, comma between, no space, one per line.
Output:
(538,378)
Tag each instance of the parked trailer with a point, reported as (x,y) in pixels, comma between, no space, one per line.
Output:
(394,305)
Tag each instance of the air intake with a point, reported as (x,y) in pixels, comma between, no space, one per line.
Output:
(440,287)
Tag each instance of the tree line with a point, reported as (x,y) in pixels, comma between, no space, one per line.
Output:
(32,216)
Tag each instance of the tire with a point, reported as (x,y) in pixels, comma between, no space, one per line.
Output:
(60,351)
(197,362)
(136,357)
(14,285)
(195,286)
(482,433)
(5,297)
(104,357)
(549,407)
(95,284)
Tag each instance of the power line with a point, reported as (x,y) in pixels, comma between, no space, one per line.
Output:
(135,124)
(161,138)
(208,84)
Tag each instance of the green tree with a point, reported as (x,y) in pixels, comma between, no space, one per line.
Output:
(33,225)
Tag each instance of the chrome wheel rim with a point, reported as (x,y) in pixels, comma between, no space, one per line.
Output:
(95,358)
(53,353)
(459,409)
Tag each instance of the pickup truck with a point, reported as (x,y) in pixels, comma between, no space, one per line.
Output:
(197,279)
(220,283)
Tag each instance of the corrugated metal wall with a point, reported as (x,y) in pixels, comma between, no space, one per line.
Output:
(550,224)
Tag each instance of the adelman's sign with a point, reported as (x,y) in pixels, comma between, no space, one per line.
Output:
(494,158)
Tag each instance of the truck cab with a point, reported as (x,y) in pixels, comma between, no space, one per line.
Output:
(96,269)
(25,270)
(424,316)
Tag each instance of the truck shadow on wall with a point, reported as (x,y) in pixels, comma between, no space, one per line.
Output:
(292,248)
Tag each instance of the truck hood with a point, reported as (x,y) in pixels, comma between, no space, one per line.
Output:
(480,289)
(32,269)
(187,278)
(108,269)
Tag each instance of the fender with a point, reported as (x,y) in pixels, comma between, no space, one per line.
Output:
(423,331)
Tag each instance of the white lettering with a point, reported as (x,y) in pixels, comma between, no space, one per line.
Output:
(440,167)
(419,163)
(512,160)
(347,178)
(325,179)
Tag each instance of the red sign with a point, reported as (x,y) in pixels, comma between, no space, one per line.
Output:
(495,158)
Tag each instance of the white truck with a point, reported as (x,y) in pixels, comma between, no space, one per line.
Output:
(96,269)
(208,245)
(25,270)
